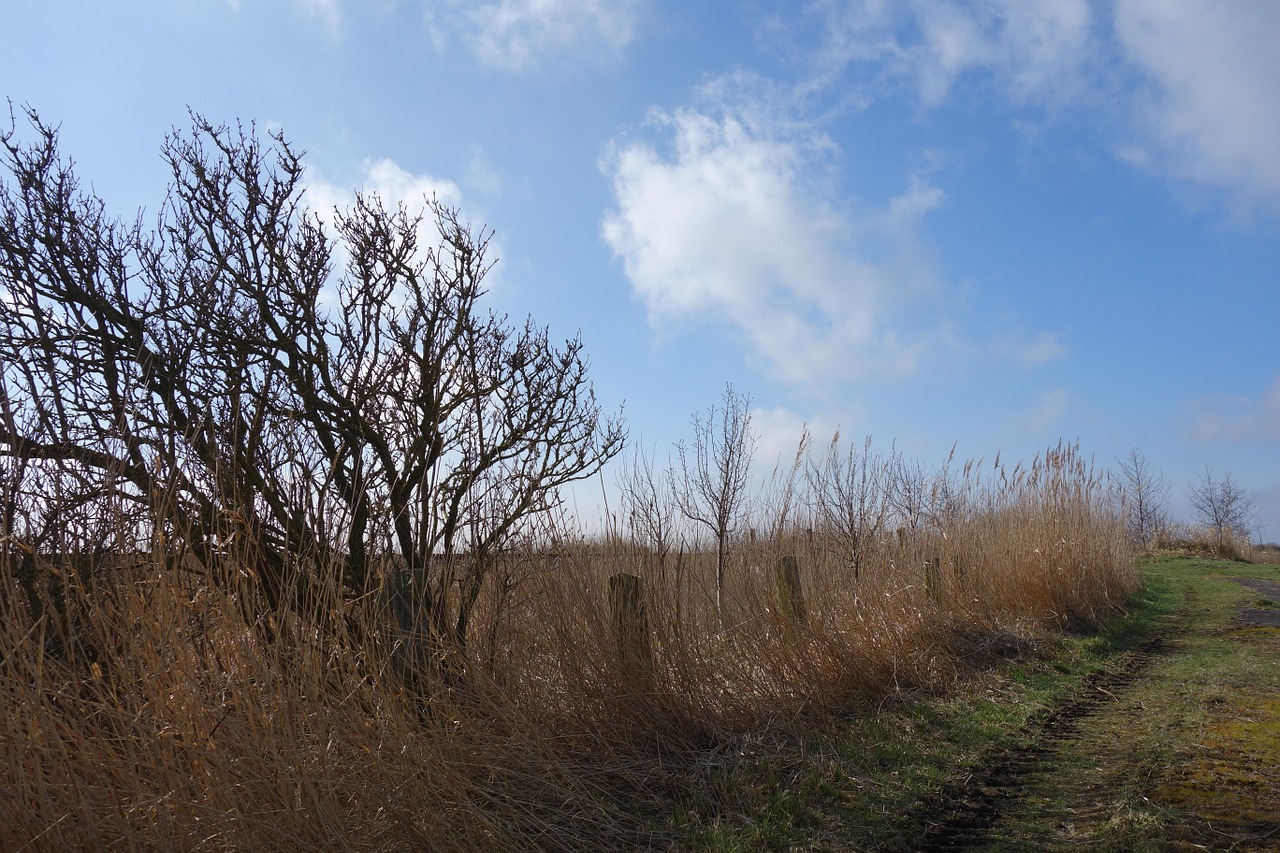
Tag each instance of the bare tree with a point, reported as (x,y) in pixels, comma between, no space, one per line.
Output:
(948,501)
(853,495)
(1223,506)
(712,485)
(648,503)
(1145,495)
(910,494)
(221,381)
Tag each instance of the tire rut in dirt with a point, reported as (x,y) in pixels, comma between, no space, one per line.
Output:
(970,810)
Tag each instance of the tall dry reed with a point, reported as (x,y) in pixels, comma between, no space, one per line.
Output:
(151,715)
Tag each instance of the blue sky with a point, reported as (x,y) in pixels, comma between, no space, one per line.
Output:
(992,224)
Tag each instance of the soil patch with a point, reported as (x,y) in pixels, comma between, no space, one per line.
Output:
(1254,615)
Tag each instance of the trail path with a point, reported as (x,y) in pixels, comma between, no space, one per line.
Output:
(1176,746)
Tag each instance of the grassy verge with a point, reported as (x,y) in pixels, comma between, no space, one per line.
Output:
(1157,731)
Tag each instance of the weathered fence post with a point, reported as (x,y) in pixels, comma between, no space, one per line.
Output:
(631,624)
(932,576)
(790,595)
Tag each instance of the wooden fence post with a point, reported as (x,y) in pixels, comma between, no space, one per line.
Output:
(631,624)
(932,576)
(790,595)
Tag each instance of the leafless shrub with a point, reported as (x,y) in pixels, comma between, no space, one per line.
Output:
(216,381)
(852,494)
(648,505)
(1145,495)
(1224,508)
(214,448)
(714,471)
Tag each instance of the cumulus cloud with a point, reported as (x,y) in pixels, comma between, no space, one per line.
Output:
(516,35)
(726,227)
(388,181)
(394,186)
(1237,419)
(1211,74)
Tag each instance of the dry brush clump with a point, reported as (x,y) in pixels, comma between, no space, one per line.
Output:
(312,443)
(996,555)
(147,713)
(152,717)
(1198,540)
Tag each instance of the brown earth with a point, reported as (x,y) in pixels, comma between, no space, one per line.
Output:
(1264,613)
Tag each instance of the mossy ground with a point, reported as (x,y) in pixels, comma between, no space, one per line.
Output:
(1231,782)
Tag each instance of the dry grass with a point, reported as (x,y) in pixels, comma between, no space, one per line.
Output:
(154,718)
(1268,553)
(1196,541)
(188,732)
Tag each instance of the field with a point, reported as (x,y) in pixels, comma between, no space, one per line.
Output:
(966,682)
(282,567)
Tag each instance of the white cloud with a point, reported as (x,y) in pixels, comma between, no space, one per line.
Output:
(1201,108)
(953,42)
(391,182)
(1048,410)
(778,430)
(1237,419)
(1037,51)
(727,229)
(1049,47)
(394,186)
(1212,73)
(1032,351)
(327,12)
(388,181)
(516,35)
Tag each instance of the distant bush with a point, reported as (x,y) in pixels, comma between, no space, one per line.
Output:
(1196,540)
(1265,553)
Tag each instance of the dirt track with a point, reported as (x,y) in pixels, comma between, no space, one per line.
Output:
(1169,748)
(1008,775)
(1261,617)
